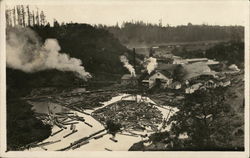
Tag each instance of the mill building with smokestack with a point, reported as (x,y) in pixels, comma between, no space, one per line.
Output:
(131,79)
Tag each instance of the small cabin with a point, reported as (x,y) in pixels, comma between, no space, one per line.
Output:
(176,85)
(127,79)
(157,78)
(193,88)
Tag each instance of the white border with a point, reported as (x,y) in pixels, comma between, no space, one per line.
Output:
(2,79)
(116,154)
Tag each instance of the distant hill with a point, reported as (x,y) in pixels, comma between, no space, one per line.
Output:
(100,54)
(98,50)
(17,79)
(139,33)
(231,52)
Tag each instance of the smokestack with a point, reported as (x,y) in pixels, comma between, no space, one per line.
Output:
(134,59)
(151,52)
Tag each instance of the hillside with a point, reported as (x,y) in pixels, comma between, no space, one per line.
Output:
(231,52)
(140,34)
(98,49)
(224,132)
(99,52)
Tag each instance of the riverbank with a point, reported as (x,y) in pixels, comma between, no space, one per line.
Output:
(124,139)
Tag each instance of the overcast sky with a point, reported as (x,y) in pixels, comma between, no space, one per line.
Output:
(172,13)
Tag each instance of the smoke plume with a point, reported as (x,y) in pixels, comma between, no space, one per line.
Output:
(130,68)
(25,52)
(151,64)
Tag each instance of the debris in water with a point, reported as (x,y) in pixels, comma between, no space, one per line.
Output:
(107,149)
(97,137)
(70,133)
(44,148)
(57,132)
(114,140)
(70,123)
(80,144)
(88,124)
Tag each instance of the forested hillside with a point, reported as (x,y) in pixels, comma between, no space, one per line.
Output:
(98,49)
(231,52)
(140,33)
(100,54)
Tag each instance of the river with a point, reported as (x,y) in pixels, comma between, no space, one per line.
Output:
(123,143)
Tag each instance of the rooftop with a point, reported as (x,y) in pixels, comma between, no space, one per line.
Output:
(167,67)
(196,59)
(197,69)
(128,77)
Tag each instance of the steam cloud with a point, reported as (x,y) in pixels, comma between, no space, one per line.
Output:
(130,68)
(151,64)
(25,52)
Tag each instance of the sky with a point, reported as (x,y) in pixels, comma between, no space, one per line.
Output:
(169,12)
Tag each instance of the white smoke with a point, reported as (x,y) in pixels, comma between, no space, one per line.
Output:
(130,68)
(151,64)
(25,52)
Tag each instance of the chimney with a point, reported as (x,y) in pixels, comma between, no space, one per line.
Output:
(151,52)
(134,59)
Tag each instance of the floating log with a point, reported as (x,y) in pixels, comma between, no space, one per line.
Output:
(42,144)
(97,137)
(80,144)
(107,149)
(56,141)
(149,131)
(57,132)
(128,135)
(64,113)
(132,133)
(79,141)
(59,125)
(66,148)
(114,140)
(97,132)
(72,127)
(61,115)
(85,138)
(71,123)
(64,119)
(81,119)
(85,113)
(83,143)
(70,133)
(138,129)
(88,124)
(74,119)
(47,143)
(31,145)
(44,148)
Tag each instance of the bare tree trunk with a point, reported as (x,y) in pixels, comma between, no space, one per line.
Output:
(28,13)
(14,16)
(33,18)
(7,17)
(23,15)
(37,18)
(42,18)
(19,20)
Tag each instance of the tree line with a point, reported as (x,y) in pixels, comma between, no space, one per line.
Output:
(231,52)
(24,16)
(139,32)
